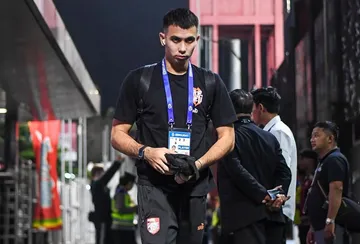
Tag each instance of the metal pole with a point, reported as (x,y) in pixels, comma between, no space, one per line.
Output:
(69,134)
(84,165)
(105,143)
(80,181)
(85,146)
(62,159)
(235,64)
(79,148)
(30,201)
(70,185)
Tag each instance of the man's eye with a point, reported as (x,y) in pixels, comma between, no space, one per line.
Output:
(176,40)
(190,40)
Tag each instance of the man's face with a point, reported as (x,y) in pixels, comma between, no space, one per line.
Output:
(98,175)
(256,113)
(306,164)
(179,43)
(320,140)
(129,186)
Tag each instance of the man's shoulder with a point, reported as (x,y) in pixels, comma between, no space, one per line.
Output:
(258,131)
(336,156)
(283,129)
(139,70)
(202,71)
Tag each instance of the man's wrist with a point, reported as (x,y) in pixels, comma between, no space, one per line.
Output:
(329,221)
(199,164)
(142,152)
(146,152)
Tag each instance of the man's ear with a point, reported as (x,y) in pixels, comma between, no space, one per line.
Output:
(162,38)
(261,107)
(198,38)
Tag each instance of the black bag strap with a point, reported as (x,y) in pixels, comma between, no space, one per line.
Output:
(210,82)
(143,87)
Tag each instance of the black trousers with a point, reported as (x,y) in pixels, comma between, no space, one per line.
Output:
(103,233)
(303,230)
(276,232)
(124,237)
(170,218)
(251,234)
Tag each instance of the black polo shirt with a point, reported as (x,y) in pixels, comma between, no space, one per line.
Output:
(332,167)
(154,126)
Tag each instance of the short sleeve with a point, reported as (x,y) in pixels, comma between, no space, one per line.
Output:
(222,111)
(336,170)
(126,106)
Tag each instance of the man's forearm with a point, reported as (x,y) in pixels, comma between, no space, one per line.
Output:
(125,143)
(335,196)
(223,146)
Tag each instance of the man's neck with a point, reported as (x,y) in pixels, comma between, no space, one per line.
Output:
(177,69)
(325,152)
(268,118)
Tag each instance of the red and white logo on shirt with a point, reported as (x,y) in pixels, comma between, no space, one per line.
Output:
(198,96)
(153,225)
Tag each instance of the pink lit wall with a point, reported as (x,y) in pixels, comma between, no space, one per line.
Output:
(259,15)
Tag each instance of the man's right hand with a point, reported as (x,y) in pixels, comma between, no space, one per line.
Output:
(156,158)
(268,199)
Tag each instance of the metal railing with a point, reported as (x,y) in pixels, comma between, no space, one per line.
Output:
(16,201)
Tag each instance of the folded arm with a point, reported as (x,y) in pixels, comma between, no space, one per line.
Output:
(224,144)
(282,171)
(243,179)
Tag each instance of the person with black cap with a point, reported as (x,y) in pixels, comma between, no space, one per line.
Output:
(124,211)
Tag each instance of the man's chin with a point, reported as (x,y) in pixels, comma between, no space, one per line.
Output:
(180,60)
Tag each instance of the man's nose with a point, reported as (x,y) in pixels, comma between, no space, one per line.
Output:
(182,48)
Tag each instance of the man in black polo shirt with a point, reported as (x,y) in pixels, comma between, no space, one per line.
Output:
(174,109)
(331,176)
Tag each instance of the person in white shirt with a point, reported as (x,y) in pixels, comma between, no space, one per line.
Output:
(266,113)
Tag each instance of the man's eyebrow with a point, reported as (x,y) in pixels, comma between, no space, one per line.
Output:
(186,38)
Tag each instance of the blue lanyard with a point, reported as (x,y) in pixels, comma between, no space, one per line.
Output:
(169,102)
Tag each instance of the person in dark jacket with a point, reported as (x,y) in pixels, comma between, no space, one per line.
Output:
(101,216)
(255,165)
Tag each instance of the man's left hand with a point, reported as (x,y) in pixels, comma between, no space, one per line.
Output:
(329,231)
(278,202)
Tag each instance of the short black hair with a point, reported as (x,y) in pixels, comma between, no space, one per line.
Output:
(181,17)
(329,127)
(96,170)
(127,178)
(268,97)
(308,153)
(242,101)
